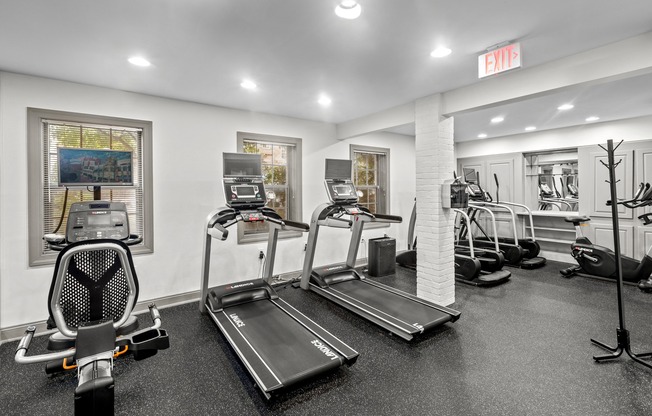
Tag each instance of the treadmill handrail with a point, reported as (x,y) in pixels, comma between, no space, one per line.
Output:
(501,206)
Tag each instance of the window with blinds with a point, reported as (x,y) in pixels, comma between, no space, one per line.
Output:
(84,132)
(282,177)
(371,177)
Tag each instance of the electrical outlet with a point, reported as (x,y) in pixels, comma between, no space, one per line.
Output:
(261,254)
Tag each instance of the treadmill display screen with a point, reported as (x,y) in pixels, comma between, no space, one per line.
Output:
(343,190)
(245,191)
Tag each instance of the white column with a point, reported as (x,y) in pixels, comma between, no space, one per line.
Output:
(434,228)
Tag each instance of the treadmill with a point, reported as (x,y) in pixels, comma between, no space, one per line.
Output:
(396,311)
(277,344)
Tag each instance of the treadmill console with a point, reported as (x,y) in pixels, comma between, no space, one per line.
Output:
(341,192)
(244,192)
(97,219)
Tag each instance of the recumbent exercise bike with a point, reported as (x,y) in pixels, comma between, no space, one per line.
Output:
(93,292)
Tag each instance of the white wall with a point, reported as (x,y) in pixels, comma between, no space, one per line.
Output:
(639,128)
(188,141)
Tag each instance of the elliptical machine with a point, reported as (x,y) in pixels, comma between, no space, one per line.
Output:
(599,262)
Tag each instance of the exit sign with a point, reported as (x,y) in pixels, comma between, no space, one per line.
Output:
(499,60)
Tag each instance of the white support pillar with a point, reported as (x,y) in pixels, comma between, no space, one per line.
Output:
(434,228)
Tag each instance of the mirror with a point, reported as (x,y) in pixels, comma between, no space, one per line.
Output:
(551,181)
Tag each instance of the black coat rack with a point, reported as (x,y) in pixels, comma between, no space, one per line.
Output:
(622,334)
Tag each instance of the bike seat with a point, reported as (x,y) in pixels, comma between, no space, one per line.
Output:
(577,219)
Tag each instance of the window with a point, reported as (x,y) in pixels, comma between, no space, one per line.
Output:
(281,157)
(49,130)
(371,177)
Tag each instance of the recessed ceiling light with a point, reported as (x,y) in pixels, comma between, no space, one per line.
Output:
(324,100)
(497,119)
(248,84)
(139,61)
(482,135)
(592,118)
(530,128)
(565,107)
(440,52)
(348,9)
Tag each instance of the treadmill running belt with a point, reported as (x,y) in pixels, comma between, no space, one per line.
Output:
(289,350)
(401,308)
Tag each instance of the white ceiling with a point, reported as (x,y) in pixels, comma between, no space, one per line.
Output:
(296,49)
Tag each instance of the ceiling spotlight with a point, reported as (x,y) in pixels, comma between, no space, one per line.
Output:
(482,136)
(348,9)
(139,61)
(248,84)
(324,100)
(592,118)
(440,52)
(530,128)
(496,120)
(565,107)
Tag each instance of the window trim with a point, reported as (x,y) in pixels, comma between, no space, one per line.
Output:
(385,152)
(296,199)
(35,166)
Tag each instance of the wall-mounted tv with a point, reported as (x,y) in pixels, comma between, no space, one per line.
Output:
(95,167)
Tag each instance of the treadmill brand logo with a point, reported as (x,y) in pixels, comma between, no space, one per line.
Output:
(240,285)
(236,319)
(328,269)
(321,347)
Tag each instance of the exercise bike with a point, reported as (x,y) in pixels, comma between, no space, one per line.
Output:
(92,295)
(600,262)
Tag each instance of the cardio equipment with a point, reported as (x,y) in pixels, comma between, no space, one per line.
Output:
(473,266)
(518,251)
(93,292)
(600,262)
(398,312)
(277,344)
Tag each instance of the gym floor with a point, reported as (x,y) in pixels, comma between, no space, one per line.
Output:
(521,348)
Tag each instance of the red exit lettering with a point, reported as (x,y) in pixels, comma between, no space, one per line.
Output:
(499,60)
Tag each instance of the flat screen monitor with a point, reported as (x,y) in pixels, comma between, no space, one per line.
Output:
(242,164)
(95,167)
(339,169)
(469,175)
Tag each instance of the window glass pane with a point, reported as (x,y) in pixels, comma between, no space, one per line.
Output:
(280,175)
(362,177)
(266,150)
(371,161)
(280,155)
(365,195)
(372,208)
(372,195)
(250,147)
(371,177)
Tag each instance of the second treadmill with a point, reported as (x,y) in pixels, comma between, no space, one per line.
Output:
(277,344)
(396,311)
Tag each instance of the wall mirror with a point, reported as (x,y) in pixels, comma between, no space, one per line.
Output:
(551,180)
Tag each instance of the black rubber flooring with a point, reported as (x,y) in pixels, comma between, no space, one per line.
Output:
(521,348)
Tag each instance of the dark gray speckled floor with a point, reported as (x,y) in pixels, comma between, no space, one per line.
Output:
(518,349)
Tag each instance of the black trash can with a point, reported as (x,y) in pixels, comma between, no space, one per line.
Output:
(382,256)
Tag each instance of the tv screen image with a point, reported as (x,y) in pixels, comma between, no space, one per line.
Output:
(242,164)
(94,167)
